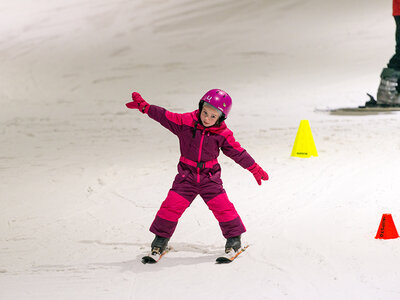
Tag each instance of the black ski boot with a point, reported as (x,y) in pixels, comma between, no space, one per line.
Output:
(389,88)
(233,243)
(159,245)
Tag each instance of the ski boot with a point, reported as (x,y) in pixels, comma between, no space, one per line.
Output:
(389,88)
(233,243)
(159,245)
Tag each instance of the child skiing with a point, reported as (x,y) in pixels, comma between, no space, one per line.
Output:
(202,133)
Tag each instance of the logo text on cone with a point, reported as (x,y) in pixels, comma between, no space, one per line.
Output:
(387,229)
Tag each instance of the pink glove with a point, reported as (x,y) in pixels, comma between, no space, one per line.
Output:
(258,172)
(138,103)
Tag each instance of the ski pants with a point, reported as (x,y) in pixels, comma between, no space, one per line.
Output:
(394,62)
(181,195)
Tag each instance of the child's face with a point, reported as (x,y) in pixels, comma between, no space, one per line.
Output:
(209,115)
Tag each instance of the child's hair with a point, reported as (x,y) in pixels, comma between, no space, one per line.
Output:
(211,106)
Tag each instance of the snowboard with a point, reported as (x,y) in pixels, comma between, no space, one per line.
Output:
(371,107)
(230,256)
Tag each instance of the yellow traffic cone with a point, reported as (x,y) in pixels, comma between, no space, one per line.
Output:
(304,145)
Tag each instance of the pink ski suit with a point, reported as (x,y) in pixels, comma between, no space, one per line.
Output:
(199,171)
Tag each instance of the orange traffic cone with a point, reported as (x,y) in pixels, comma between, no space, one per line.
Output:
(387,229)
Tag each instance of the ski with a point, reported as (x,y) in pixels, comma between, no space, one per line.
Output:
(153,258)
(230,256)
(371,107)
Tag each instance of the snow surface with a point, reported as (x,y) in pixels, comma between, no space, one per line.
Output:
(81,177)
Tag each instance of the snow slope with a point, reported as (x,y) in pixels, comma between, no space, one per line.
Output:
(81,177)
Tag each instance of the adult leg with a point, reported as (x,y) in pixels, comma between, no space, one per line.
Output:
(394,62)
(389,87)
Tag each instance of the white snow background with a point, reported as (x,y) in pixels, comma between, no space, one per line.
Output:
(81,176)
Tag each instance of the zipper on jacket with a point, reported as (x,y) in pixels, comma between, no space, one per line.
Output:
(201,145)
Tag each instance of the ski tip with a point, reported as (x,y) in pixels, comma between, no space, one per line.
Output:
(228,259)
(148,260)
(223,260)
(152,259)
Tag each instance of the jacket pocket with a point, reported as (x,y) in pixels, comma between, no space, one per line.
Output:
(215,178)
(182,176)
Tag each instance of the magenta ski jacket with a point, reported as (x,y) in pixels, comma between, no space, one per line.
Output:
(200,146)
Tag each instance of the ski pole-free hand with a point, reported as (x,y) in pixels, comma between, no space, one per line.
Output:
(138,103)
(258,173)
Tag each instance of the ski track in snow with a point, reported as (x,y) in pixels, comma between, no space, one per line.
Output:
(81,178)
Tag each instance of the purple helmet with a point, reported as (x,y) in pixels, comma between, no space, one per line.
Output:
(219,99)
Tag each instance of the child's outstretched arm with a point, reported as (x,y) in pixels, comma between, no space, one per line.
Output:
(171,121)
(232,149)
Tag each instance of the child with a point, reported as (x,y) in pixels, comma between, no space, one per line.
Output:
(202,133)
